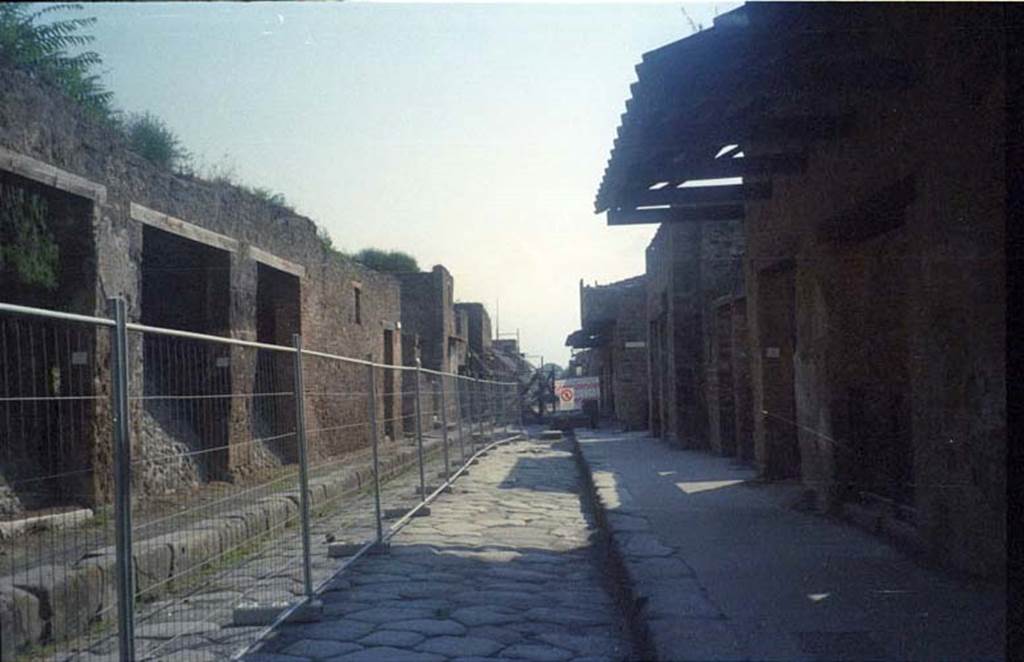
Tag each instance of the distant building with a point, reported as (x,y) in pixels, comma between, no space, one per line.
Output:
(613,334)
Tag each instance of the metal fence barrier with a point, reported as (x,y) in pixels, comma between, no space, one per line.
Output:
(173,494)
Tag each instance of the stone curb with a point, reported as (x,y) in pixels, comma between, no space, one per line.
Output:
(66,599)
(615,563)
(659,589)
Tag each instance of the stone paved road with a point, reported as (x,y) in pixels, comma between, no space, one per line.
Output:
(502,569)
(195,625)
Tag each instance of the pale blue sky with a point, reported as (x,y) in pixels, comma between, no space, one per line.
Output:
(470,135)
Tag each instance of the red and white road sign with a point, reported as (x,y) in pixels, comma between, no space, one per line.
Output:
(572,392)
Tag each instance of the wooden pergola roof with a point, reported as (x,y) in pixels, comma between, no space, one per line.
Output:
(764,71)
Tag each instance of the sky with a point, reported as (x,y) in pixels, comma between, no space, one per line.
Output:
(469,135)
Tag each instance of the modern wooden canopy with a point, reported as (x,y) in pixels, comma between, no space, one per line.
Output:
(764,75)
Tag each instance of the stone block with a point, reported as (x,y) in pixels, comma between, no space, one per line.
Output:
(71,597)
(21,620)
(253,614)
(154,563)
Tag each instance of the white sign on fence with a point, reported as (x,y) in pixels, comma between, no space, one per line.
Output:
(572,392)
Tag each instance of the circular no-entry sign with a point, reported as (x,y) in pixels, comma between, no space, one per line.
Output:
(566,394)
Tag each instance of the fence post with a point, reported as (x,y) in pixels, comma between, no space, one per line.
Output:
(372,398)
(419,434)
(492,407)
(458,414)
(479,411)
(520,398)
(300,438)
(444,431)
(122,482)
(471,388)
(503,407)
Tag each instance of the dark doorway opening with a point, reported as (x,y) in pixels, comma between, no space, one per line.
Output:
(744,397)
(777,320)
(186,286)
(725,382)
(658,380)
(48,436)
(872,416)
(278,318)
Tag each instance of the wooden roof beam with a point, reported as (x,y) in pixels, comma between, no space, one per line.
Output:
(732,212)
(700,195)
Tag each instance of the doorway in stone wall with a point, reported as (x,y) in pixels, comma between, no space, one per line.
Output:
(656,371)
(49,432)
(185,285)
(278,318)
(726,386)
(777,327)
(743,399)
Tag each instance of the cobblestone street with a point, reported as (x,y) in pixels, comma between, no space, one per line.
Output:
(502,569)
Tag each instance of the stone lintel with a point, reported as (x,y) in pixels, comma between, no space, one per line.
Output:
(182,228)
(276,262)
(44,173)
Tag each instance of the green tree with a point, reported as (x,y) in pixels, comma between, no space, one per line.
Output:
(391,261)
(553,368)
(149,136)
(328,243)
(41,47)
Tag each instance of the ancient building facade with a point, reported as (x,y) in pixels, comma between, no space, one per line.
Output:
(186,254)
(877,297)
(431,332)
(613,327)
(478,335)
(867,169)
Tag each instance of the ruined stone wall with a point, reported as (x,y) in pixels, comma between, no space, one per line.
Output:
(427,311)
(629,355)
(689,265)
(623,369)
(37,122)
(661,399)
(898,365)
(479,326)
(721,278)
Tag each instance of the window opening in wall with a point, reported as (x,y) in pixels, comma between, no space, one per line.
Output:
(358,298)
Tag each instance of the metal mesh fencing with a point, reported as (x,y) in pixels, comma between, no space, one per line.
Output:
(169,494)
(56,526)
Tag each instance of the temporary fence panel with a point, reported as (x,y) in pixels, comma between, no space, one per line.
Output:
(168,493)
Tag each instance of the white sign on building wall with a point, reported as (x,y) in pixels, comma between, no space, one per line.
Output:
(572,392)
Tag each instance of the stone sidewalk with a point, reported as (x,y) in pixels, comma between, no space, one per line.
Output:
(503,568)
(726,567)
